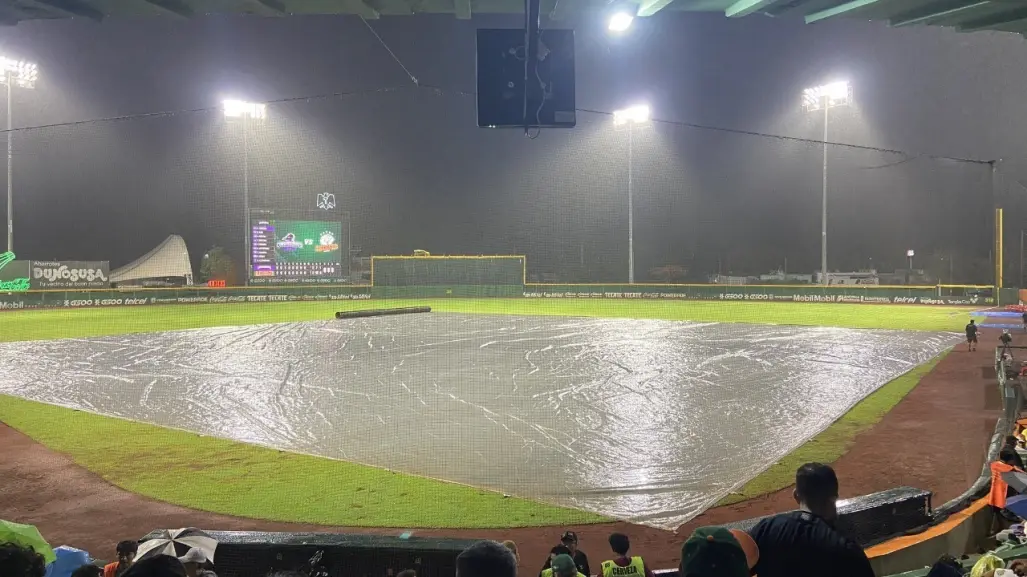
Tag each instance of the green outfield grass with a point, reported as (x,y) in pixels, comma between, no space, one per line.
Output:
(64,323)
(246,480)
(239,479)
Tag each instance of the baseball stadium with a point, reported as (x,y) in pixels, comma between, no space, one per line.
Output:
(246,320)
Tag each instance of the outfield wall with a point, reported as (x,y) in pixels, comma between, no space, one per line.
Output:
(925,295)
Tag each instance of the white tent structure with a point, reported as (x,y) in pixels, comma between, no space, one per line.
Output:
(170,259)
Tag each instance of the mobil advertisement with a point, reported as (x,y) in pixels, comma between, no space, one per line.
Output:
(70,274)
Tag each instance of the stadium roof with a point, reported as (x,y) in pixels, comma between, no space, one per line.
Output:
(170,258)
(963,15)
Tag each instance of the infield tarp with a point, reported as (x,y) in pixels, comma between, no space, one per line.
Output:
(647,420)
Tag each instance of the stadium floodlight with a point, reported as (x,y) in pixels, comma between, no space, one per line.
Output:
(814,99)
(246,111)
(634,115)
(620,21)
(827,96)
(631,116)
(23,75)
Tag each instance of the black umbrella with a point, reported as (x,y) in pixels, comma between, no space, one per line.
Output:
(177,542)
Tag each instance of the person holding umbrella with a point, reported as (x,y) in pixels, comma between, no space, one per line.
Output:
(20,561)
(177,543)
(26,536)
(195,563)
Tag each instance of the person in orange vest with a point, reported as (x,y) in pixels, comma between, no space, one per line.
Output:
(1000,490)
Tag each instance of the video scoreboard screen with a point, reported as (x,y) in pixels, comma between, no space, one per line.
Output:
(300,250)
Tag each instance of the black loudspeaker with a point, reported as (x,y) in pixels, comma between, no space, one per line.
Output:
(500,75)
(256,554)
(876,517)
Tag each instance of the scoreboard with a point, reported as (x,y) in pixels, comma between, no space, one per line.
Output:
(285,250)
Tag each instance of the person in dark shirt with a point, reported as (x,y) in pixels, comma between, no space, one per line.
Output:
(1025,321)
(971,335)
(569,546)
(1017,460)
(486,559)
(804,543)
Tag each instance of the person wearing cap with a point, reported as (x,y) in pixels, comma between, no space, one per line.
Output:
(718,552)
(804,543)
(622,565)
(194,562)
(569,541)
(562,566)
(558,551)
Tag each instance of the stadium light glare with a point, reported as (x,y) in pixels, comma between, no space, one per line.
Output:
(620,21)
(827,96)
(635,115)
(814,99)
(23,74)
(244,109)
(19,73)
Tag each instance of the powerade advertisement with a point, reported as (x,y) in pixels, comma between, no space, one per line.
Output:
(296,249)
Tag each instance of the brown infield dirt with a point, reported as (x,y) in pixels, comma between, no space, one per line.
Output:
(936,438)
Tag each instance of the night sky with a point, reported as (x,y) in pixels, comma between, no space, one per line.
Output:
(415,172)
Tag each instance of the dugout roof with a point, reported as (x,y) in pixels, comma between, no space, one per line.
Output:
(963,15)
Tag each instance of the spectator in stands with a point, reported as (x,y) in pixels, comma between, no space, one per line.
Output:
(1011,443)
(569,540)
(1000,490)
(804,543)
(156,566)
(196,564)
(622,565)
(718,552)
(88,571)
(18,561)
(126,556)
(553,554)
(1006,339)
(486,559)
(946,566)
(513,549)
(563,566)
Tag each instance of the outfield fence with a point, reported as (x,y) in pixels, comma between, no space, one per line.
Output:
(871,294)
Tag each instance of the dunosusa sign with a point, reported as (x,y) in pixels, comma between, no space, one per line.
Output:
(67,274)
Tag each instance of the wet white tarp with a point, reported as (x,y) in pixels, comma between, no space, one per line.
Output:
(646,420)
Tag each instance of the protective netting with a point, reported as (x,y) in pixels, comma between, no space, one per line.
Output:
(413,172)
(648,420)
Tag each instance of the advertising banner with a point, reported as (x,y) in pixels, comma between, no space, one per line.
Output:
(70,274)
(14,274)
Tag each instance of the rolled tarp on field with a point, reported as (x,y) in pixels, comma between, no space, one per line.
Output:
(381,312)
